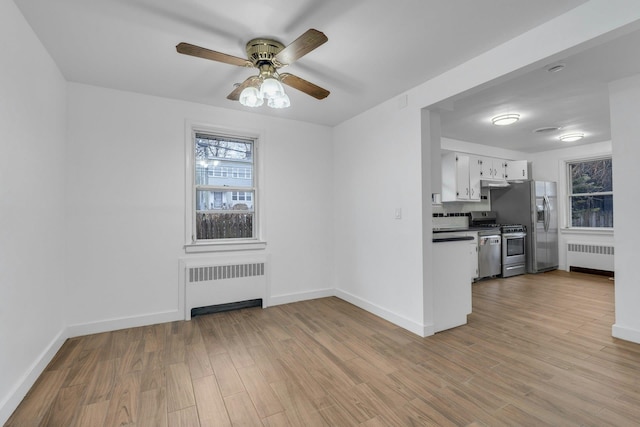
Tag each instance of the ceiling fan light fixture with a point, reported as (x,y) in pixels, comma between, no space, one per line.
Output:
(571,137)
(271,88)
(279,102)
(251,97)
(505,119)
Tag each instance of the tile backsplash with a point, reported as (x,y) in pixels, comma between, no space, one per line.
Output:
(456,214)
(450,220)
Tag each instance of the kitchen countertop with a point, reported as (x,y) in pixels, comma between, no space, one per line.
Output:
(457,229)
(451,239)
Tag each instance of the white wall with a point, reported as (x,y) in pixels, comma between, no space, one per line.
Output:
(32,149)
(126,213)
(377,170)
(625,128)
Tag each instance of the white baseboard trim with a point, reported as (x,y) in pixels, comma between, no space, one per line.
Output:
(19,391)
(123,323)
(396,319)
(299,296)
(626,334)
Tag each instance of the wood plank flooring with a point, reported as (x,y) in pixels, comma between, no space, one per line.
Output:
(537,351)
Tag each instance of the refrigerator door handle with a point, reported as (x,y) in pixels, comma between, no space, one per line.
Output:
(547,212)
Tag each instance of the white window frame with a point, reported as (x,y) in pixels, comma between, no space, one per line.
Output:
(566,187)
(258,242)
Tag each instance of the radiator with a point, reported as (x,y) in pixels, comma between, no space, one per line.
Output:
(212,282)
(595,256)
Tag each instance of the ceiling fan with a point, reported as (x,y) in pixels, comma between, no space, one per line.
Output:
(267,56)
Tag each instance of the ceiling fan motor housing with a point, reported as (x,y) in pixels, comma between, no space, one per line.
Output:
(260,51)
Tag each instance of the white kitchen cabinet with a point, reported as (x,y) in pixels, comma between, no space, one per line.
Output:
(451,284)
(516,170)
(493,169)
(475,175)
(457,179)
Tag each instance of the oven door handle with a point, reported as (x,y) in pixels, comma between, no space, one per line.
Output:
(514,235)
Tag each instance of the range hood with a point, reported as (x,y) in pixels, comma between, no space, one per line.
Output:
(488,183)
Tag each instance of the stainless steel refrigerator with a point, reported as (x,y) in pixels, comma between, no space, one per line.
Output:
(533,204)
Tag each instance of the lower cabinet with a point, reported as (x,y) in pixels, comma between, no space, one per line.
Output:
(452,279)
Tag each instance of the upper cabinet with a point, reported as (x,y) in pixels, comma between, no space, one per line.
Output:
(462,174)
(475,175)
(493,169)
(516,170)
(460,178)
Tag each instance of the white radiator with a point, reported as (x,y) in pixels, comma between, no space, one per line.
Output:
(596,256)
(216,281)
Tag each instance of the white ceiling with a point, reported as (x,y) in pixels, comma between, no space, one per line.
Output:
(575,99)
(377,49)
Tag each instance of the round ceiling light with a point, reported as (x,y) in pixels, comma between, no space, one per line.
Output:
(505,119)
(571,137)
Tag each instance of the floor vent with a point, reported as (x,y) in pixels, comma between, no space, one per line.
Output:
(592,271)
(198,311)
(220,272)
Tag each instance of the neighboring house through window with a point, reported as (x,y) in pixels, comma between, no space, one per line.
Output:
(224,191)
(590,193)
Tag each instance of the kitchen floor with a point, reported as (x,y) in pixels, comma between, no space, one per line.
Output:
(537,350)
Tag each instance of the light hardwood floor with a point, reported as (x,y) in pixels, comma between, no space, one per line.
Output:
(537,351)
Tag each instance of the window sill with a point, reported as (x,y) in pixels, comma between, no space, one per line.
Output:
(224,246)
(591,231)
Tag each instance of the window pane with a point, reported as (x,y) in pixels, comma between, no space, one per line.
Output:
(591,177)
(592,211)
(224,225)
(211,200)
(223,161)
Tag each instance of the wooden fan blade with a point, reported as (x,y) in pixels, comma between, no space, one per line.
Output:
(301,46)
(235,95)
(201,52)
(304,86)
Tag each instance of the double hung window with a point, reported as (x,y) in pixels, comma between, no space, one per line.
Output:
(224,199)
(590,193)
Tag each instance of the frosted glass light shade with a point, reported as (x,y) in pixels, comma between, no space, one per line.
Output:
(279,102)
(250,97)
(271,88)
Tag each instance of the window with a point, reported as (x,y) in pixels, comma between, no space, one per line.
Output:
(241,195)
(223,197)
(590,193)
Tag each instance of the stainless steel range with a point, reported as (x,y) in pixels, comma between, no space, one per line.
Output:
(514,260)
(501,247)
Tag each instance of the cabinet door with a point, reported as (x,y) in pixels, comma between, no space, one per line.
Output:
(517,169)
(486,168)
(475,174)
(499,169)
(462,177)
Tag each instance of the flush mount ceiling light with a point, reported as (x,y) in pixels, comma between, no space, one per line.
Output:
(571,137)
(505,119)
